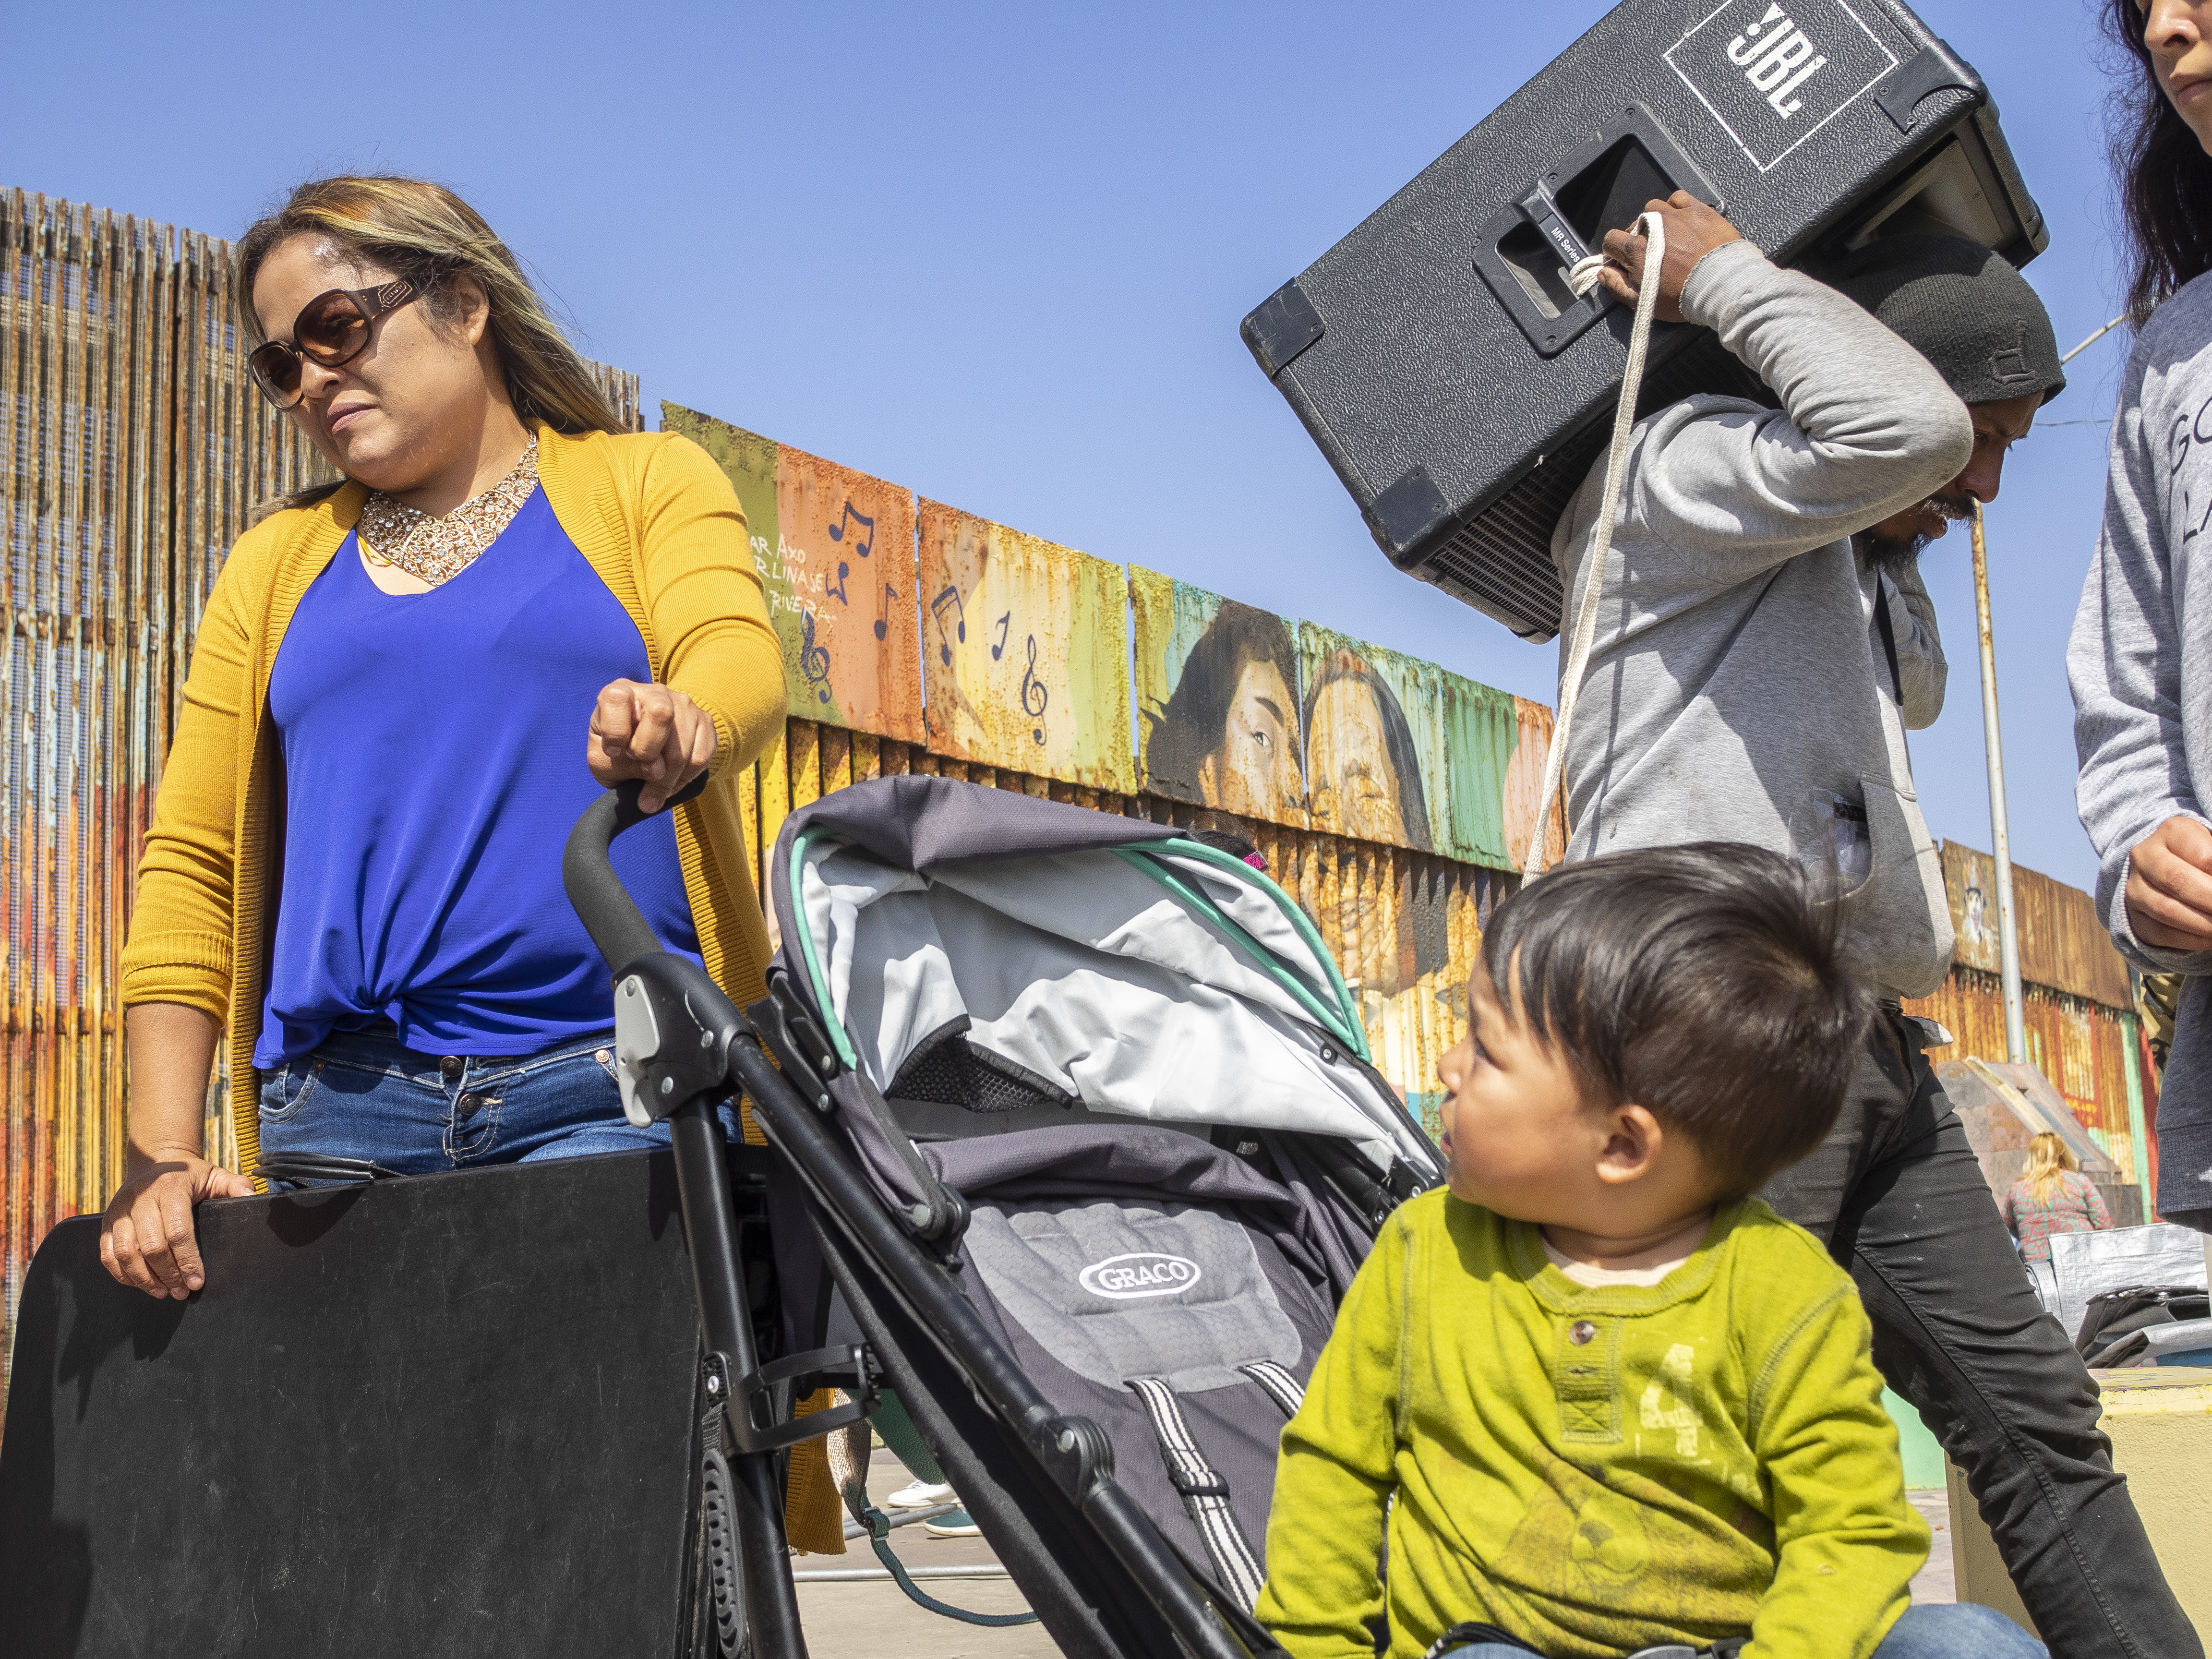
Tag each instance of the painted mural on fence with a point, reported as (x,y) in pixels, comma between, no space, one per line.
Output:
(1217,685)
(1375,762)
(834,549)
(1025,652)
(1243,712)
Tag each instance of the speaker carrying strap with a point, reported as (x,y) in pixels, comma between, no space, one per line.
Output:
(1205,1494)
(1282,1388)
(1583,623)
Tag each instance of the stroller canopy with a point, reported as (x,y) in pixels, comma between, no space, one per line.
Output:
(971,944)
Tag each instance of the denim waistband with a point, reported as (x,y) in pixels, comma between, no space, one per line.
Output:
(378,1040)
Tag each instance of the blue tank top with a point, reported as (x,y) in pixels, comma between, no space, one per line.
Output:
(434,764)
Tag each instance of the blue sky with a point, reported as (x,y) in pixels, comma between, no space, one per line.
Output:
(999,253)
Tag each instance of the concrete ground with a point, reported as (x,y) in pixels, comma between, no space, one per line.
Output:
(1935,1582)
(870,1621)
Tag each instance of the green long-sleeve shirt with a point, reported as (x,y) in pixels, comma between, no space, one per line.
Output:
(1594,1469)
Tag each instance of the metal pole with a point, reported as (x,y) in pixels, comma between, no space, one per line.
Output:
(1993,743)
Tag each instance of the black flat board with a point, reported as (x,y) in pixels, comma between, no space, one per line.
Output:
(443,1414)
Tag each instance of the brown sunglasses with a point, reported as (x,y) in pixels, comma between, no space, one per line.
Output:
(332,328)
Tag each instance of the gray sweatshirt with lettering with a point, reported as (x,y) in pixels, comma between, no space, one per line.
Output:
(2141,657)
(1739,687)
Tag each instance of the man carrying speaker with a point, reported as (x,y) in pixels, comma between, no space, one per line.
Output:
(1762,642)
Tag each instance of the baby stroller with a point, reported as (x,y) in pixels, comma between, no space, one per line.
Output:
(1083,1149)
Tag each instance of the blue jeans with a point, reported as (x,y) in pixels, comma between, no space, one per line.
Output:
(1959,1632)
(364,1095)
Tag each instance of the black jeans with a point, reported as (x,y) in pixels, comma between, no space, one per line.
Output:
(2185,1112)
(1896,1193)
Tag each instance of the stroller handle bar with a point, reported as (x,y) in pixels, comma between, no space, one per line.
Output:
(609,913)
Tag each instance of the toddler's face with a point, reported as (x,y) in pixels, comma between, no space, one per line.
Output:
(1518,1138)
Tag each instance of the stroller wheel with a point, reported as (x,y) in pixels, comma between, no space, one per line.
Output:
(726,1587)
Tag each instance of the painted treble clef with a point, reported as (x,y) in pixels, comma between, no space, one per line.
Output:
(1034,696)
(813,659)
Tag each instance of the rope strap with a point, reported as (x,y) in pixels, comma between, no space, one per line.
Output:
(1582,277)
(1205,1494)
(880,1527)
(1282,1388)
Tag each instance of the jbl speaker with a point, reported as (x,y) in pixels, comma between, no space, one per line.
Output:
(1436,354)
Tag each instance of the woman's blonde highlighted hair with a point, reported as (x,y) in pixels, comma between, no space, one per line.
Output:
(424,233)
(2048,1157)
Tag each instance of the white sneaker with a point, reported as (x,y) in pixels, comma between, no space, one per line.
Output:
(919,1496)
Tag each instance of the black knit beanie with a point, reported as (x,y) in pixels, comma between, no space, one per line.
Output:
(1964,308)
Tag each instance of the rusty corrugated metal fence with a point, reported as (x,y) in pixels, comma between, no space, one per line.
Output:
(2077,1006)
(133,449)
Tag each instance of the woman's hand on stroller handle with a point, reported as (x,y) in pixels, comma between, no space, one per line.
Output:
(651,732)
(602,903)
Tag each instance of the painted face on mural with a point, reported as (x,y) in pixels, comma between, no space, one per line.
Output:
(1355,787)
(1255,771)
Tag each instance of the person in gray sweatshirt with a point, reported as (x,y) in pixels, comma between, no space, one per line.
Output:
(1763,643)
(2140,659)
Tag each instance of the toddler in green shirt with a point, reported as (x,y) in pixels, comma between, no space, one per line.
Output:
(1597,1400)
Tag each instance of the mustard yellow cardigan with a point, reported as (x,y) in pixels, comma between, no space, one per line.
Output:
(661,524)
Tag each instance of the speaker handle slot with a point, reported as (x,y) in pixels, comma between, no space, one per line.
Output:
(1524,250)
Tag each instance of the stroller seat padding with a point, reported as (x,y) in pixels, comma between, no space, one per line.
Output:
(1079,979)
(1119,1290)
(1107,1257)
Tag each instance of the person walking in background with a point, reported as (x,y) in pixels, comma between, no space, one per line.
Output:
(2139,660)
(2054,1196)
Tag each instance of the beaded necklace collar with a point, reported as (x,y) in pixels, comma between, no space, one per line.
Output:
(435,550)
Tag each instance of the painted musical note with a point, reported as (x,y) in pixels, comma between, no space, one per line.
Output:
(884,622)
(1004,622)
(837,589)
(865,544)
(949,596)
(1030,684)
(813,659)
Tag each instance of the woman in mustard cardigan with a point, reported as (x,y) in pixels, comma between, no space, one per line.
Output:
(404,691)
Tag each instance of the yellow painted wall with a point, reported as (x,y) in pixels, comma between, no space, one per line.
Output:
(2159,1419)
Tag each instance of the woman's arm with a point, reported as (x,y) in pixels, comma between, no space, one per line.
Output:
(146,1238)
(2093,1202)
(709,613)
(176,968)
(720,701)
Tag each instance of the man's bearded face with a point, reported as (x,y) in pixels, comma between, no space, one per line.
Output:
(1892,552)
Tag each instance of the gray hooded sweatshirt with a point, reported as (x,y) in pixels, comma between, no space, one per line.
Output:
(2140,665)
(1740,687)
(2141,657)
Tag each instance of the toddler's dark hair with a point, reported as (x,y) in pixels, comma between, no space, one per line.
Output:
(1702,982)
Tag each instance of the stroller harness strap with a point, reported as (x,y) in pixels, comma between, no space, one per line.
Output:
(1282,1388)
(1205,1493)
